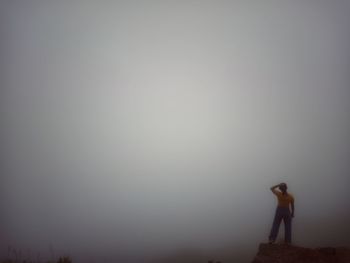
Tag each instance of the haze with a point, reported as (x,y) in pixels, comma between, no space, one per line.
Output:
(134,131)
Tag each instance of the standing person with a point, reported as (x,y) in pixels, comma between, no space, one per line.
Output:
(285,211)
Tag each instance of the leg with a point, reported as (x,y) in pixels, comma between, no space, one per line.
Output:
(287,229)
(275,227)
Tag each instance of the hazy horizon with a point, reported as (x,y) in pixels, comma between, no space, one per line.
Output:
(137,130)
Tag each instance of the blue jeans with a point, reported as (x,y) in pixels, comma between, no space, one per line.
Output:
(282,213)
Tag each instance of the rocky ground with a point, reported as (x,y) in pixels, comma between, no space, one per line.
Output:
(278,253)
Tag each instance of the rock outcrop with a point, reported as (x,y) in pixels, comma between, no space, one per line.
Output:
(276,253)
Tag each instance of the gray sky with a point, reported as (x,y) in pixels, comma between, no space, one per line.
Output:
(135,130)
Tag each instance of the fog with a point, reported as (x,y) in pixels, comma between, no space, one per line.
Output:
(143,131)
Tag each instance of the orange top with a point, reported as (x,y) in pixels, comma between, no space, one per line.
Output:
(283,199)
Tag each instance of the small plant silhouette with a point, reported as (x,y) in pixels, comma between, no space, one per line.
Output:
(64,260)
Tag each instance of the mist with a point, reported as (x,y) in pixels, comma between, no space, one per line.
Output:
(136,131)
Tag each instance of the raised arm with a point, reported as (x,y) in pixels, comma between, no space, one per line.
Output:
(273,188)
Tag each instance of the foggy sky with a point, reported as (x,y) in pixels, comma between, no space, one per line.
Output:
(132,130)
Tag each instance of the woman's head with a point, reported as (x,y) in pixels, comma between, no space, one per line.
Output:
(283,187)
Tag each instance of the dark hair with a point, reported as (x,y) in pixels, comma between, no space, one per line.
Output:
(283,187)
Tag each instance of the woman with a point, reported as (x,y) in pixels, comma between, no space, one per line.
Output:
(285,202)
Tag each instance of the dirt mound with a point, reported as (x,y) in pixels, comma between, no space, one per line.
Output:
(277,253)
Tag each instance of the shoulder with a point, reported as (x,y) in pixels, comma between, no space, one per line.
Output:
(291,196)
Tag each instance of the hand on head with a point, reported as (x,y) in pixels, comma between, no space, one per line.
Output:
(283,187)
